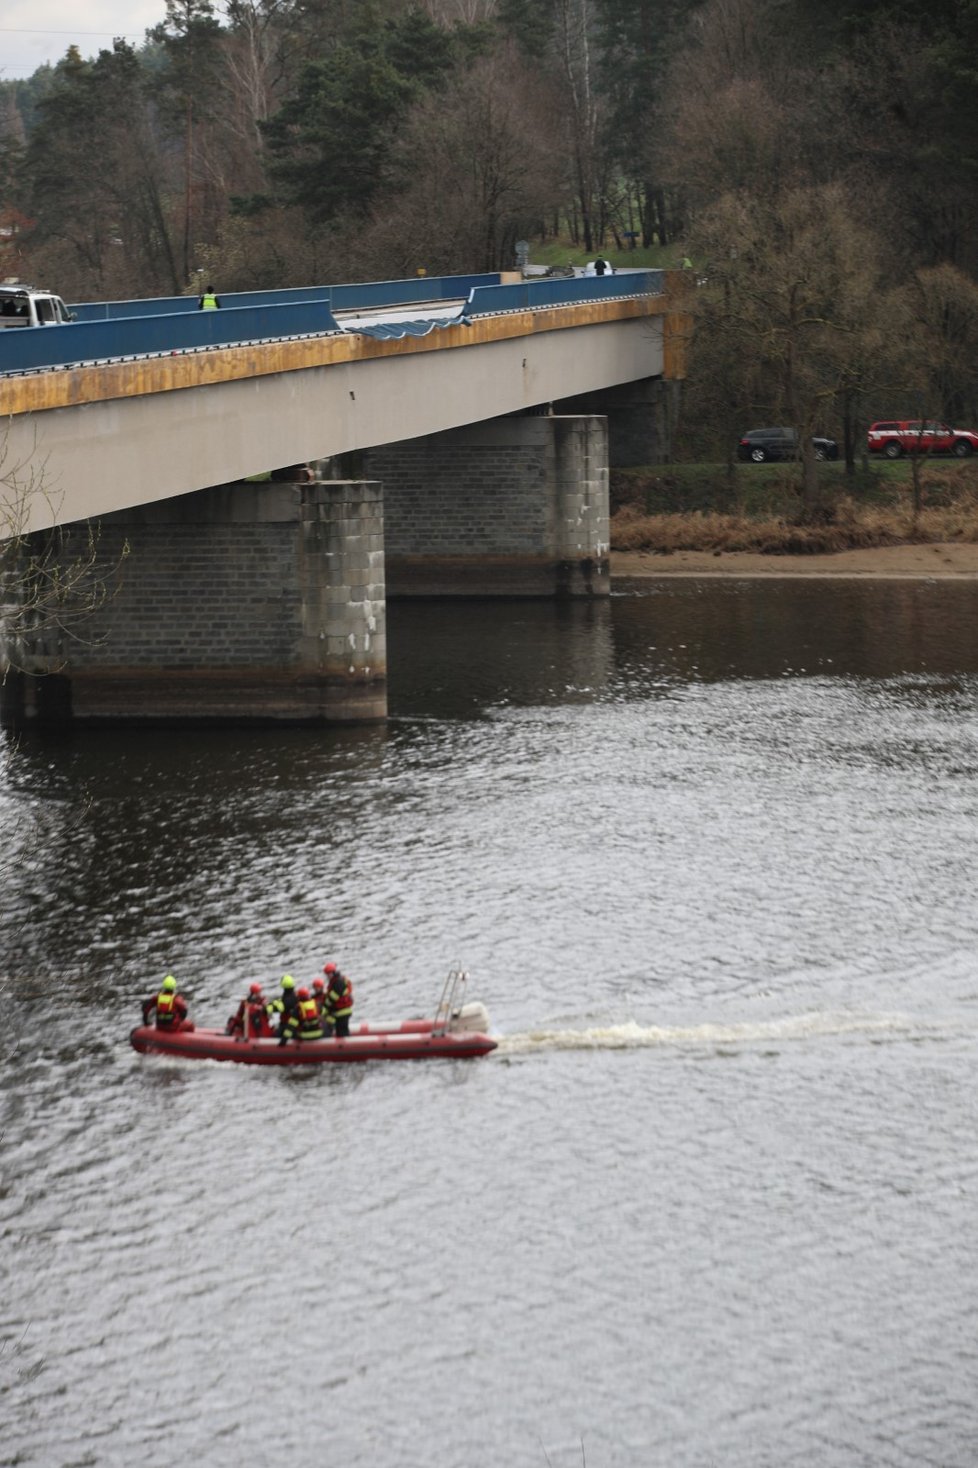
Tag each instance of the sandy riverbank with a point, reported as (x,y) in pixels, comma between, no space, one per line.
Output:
(921,562)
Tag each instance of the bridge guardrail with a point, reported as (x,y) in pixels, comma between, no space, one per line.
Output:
(30,349)
(365,295)
(187,305)
(531,294)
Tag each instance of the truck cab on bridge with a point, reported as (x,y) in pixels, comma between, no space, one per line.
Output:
(22,305)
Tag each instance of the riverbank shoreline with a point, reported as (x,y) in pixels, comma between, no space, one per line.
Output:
(951,560)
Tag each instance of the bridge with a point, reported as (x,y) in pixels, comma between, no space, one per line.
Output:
(444,437)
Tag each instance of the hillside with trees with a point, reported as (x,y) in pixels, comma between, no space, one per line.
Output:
(814,159)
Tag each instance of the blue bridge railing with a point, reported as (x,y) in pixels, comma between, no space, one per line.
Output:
(132,329)
(531,294)
(81,342)
(365,296)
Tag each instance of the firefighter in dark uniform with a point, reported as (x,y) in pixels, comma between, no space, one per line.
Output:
(337,1002)
(285,1007)
(305,1024)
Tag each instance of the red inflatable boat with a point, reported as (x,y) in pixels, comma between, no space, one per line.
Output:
(458,1031)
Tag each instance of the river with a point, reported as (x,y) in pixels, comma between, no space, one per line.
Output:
(708,853)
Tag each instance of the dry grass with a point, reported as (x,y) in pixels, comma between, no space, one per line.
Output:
(950,513)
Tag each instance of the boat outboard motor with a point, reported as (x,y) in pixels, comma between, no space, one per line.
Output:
(470,1019)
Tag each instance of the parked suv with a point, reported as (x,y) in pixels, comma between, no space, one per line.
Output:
(917,436)
(22,305)
(761,444)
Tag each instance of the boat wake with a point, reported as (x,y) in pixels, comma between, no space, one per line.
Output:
(634,1036)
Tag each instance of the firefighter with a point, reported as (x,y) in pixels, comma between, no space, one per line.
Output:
(285,1006)
(305,1023)
(319,994)
(319,991)
(338,1002)
(169,1007)
(250,1010)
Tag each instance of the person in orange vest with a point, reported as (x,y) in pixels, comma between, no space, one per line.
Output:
(337,1002)
(251,1010)
(169,1007)
(304,1023)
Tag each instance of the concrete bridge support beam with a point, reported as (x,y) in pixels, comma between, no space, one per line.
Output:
(641,419)
(515,506)
(240,603)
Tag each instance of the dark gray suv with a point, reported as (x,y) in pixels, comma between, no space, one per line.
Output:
(763,444)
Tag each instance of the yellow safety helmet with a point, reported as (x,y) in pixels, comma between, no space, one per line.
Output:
(169,983)
(288,982)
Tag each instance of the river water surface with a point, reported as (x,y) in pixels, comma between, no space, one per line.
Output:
(708,852)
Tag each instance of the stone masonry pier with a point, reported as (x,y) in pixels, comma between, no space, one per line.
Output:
(266,602)
(247,602)
(513,507)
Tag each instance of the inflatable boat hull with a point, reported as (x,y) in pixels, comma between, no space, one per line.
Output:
(412,1040)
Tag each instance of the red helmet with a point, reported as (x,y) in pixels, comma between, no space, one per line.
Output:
(318,984)
(254,989)
(302,994)
(329,968)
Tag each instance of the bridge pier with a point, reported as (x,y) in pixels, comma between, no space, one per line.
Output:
(266,602)
(641,419)
(516,506)
(246,602)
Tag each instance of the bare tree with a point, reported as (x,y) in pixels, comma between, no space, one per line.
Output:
(791,315)
(254,80)
(51,581)
(931,331)
(730,109)
(461,12)
(487,149)
(943,303)
(582,104)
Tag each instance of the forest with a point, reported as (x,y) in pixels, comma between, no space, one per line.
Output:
(815,160)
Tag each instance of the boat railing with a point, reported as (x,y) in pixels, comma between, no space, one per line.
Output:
(451,1001)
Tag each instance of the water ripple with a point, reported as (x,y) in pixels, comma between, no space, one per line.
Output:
(708,855)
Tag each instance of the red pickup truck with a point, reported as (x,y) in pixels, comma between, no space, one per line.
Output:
(912,436)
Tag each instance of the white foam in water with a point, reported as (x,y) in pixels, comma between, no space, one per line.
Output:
(633,1036)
